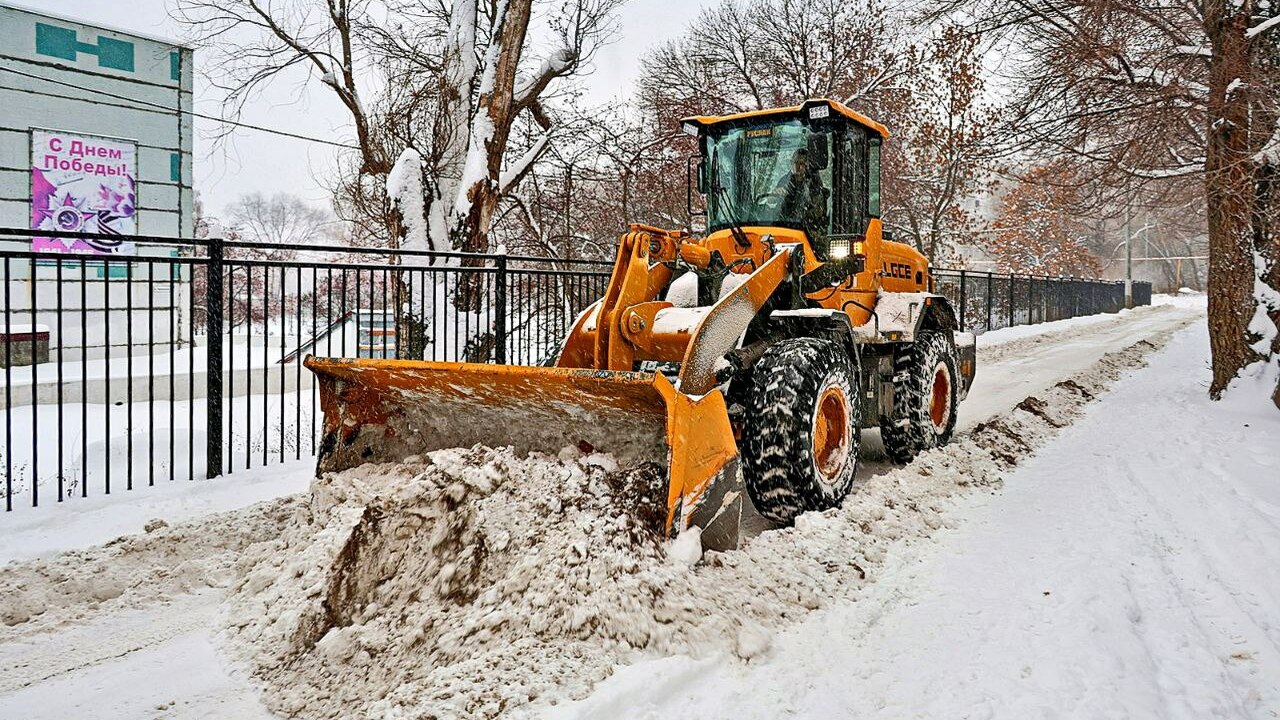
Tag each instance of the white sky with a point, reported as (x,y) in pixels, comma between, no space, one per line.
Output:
(253,161)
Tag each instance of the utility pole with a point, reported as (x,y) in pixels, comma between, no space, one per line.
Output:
(1128,256)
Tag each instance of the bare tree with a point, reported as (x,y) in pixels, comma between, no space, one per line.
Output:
(615,166)
(1154,93)
(280,219)
(748,56)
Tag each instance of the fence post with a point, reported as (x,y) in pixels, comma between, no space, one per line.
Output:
(213,376)
(500,319)
(962,298)
(990,282)
(1012,302)
(1031,300)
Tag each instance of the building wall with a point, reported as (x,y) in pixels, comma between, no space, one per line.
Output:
(62,75)
(98,82)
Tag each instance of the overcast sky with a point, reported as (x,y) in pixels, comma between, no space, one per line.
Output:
(256,162)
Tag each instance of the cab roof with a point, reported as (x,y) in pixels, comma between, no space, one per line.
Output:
(704,121)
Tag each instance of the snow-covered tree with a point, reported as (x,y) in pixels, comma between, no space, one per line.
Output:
(448,81)
(433,90)
(1163,93)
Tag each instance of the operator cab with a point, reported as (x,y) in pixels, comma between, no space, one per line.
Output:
(813,167)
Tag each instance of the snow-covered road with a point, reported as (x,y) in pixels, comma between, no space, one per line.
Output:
(1131,569)
(1014,363)
(156,662)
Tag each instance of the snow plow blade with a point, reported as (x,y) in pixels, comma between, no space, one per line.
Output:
(387,410)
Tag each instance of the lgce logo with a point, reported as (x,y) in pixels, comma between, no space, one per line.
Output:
(898,270)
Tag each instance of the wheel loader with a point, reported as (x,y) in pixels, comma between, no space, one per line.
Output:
(745,361)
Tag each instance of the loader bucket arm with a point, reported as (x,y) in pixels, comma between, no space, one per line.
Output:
(385,410)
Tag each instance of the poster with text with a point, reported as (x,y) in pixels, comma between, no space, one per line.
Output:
(82,183)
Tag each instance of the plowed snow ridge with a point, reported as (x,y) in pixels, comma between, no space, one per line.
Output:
(473,583)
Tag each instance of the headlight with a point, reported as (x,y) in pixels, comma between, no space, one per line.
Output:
(819,112)
(839,249)
(689,129)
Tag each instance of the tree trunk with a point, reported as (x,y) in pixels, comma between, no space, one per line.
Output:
(1229,191)
(1267,245)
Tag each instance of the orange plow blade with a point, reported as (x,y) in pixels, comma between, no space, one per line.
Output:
(386,410)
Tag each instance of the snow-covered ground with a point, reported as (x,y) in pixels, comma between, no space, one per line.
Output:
(1129,569)
(82,522)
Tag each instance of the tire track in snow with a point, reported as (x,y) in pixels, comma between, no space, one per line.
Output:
(105,639)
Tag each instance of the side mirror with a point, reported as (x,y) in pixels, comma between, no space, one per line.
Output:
(689,183)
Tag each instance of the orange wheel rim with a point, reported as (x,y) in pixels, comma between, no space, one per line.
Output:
(831,433)
(940,399)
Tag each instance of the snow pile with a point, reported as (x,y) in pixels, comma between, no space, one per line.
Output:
(474,582)
(132,571)
(456,585)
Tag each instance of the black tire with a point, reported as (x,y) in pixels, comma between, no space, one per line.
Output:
(784,477)
(924,415)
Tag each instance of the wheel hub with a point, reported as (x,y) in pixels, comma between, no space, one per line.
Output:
(831,433)
(940,398)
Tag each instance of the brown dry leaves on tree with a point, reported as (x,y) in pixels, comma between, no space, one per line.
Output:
(1162,93)
(1039,230)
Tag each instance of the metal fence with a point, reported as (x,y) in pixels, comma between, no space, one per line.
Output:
(990,301)
(183,361)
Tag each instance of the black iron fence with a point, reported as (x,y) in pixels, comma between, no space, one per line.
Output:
(990,301)
(182,362)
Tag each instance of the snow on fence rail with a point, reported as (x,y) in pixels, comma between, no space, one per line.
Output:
(183,362)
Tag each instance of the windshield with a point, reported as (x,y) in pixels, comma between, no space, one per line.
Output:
(770,174)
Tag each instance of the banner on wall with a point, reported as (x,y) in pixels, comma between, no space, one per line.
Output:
(83,183)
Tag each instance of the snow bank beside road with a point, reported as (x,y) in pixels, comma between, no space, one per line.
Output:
(993,338)
(473,583)
(132,571)
(1131,569)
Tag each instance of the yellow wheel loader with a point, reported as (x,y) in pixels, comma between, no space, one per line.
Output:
(745,361)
